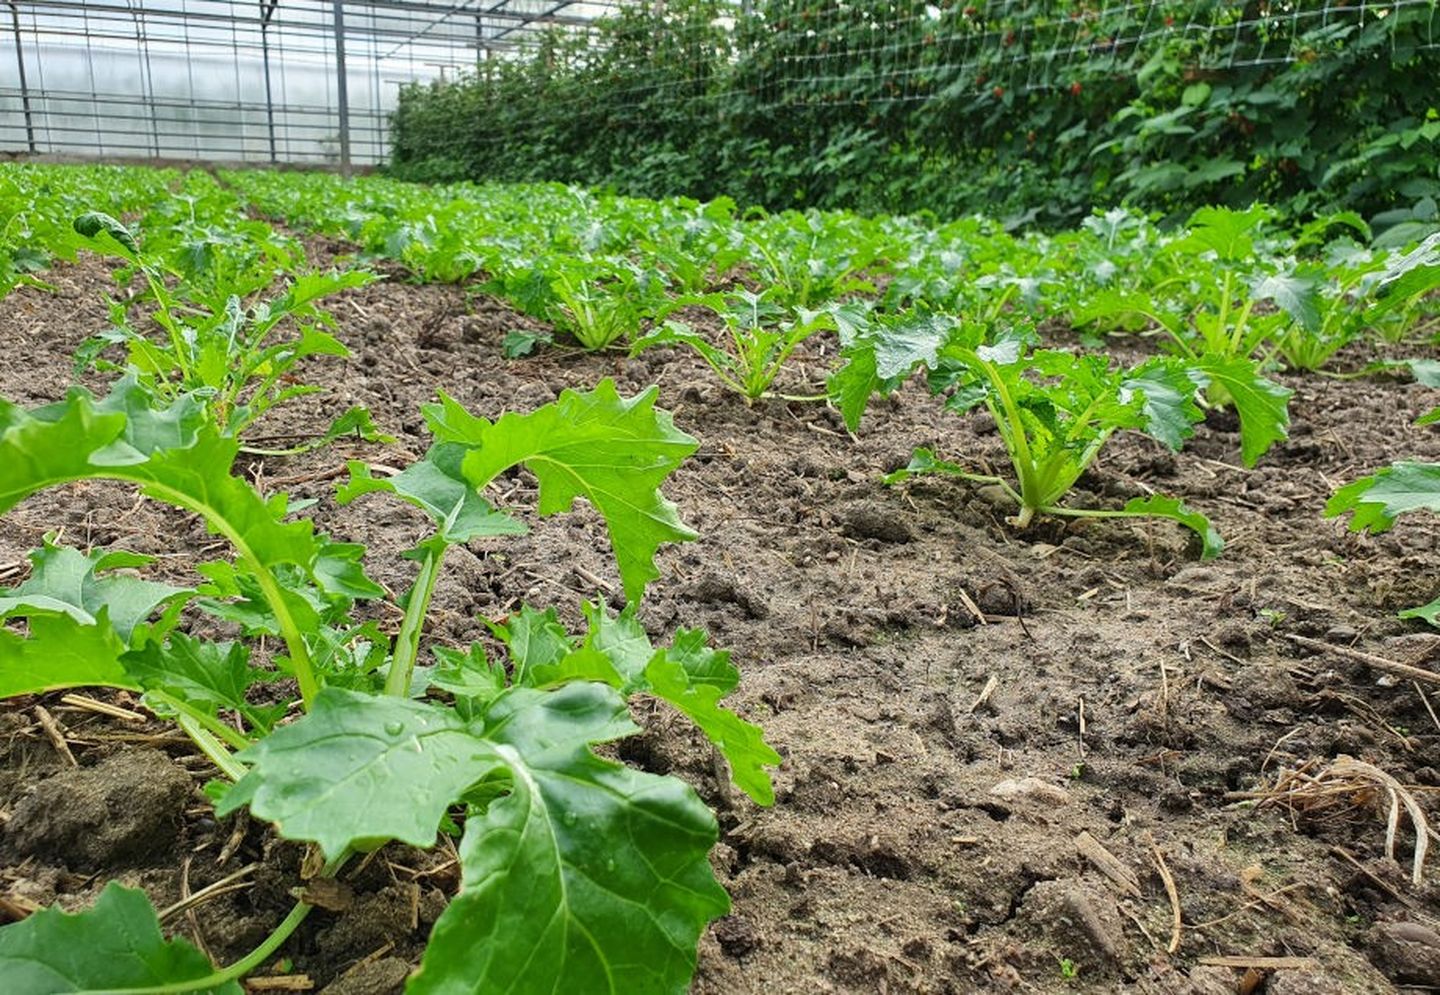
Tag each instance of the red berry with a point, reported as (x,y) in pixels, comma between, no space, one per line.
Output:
(998,92)
(1075,89)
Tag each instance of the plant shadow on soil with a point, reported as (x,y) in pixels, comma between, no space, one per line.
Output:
(1132,690)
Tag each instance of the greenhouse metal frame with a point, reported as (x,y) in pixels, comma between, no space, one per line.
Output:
(279,81)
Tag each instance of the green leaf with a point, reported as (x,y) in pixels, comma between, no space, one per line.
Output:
(113,947)
(742,743)
(209,676)
(614,452)
(437,487)
(79,439)
(616,651)
(1375,501)
(1425,371)
(1159,506)
(80,585)
(1262,405)
(1294,295)
(93,223)
(587,877)
(467,674)
(61,652)
(361,767)
(357,422)
(534,640)
(1226,232)
(1168,403)
(1430,613)
(925,461)
(584,876)
(882,356)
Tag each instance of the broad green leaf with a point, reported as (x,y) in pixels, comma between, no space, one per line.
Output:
(616,651)
(1411,274)
(361,767)
(1425,371)
(882,356)
(615,452)
(60,652)
(209,676)
(1375,501)
(113,947)
(1262,405)
(587,877)
(1159,506)
(585,873)
(79,439)
(534,640)
(66,580)
(93,223)
(621,639)
(1226,232)
(1294,295)
(1168,403)
(467,674)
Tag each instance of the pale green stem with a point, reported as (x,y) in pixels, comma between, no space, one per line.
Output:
(233,737)
(246,964)
(407,641)
(213,749)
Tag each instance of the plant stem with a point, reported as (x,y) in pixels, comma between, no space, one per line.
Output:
(246,964)
(407,640)
(231,736)
(213,749)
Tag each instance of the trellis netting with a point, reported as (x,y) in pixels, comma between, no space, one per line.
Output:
(906,103)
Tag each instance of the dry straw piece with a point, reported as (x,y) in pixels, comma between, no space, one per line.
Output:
(1342,786)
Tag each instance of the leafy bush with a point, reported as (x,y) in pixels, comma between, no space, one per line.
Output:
(909,106)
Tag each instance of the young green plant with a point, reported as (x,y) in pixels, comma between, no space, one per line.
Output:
(759,337)
(576,873)
(1054,410)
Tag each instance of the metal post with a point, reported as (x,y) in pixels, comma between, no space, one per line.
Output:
(267,8)
(24,85)
(341,87)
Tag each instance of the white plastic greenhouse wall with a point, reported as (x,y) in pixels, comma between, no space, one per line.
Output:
(251,80)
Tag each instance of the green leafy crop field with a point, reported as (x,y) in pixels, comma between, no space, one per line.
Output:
(471,588)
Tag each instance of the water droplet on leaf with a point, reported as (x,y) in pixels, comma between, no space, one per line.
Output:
(394,727)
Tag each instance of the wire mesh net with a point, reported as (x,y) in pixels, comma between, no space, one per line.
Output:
(262,79)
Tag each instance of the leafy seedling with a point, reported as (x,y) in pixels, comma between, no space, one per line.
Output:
(576,872)
(232,359)
(1054,410)
(759,337)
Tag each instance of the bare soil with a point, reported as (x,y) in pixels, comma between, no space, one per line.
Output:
(957,703)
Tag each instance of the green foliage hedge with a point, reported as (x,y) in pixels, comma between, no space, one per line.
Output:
(1036,111)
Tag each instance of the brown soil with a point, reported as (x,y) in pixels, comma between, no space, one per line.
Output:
(956,703)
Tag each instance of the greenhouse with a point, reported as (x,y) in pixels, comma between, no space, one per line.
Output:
(719,496)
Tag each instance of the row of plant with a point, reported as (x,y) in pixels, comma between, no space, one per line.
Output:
(1024,110)
(1230,297)
(575,868)
(1228,300)
(577,873)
